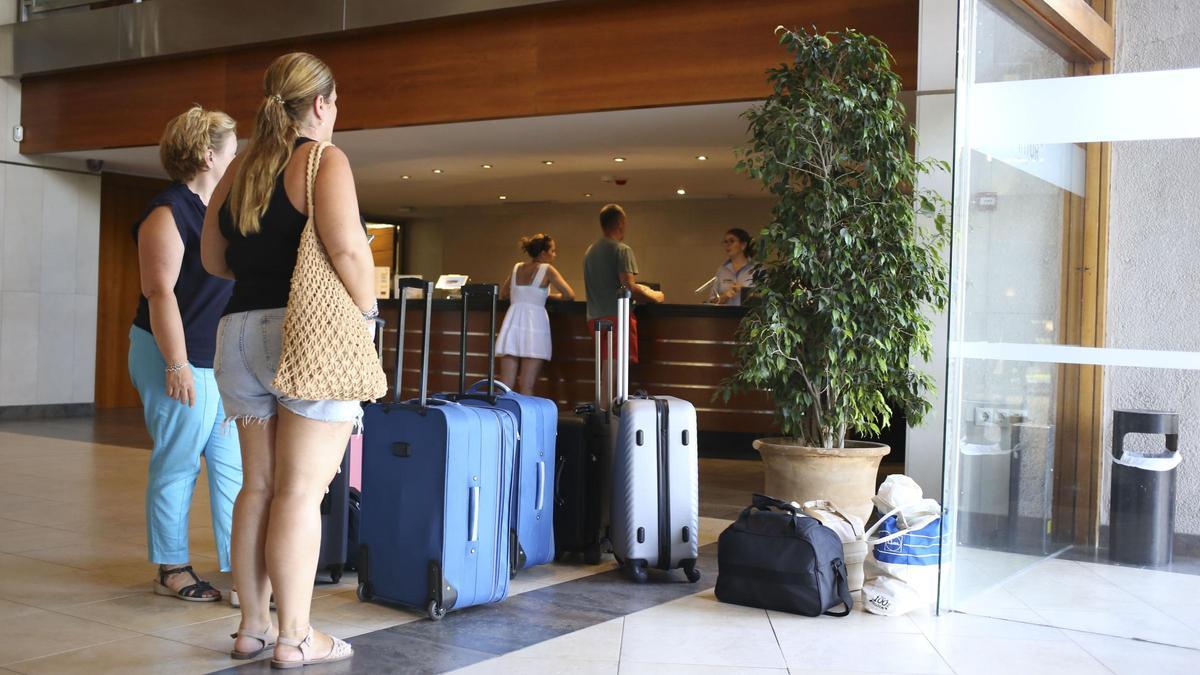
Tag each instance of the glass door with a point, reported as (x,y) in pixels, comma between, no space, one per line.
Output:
(1072,283)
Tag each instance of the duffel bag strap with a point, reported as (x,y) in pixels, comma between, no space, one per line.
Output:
(843,590)
(765,503)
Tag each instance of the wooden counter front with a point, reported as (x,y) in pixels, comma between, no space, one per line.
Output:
(685,350)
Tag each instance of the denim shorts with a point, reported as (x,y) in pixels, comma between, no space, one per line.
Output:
(248,348)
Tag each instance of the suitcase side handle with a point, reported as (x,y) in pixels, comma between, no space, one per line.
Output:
(427,287)
(539,500)
(473,510)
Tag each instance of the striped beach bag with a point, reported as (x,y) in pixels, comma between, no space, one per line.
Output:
(902,568)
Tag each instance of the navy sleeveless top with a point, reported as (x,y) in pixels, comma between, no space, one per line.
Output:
(199,294)
(262,263)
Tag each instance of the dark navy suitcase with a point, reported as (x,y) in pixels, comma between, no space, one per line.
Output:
(436,497)
(582,478)
(537,424)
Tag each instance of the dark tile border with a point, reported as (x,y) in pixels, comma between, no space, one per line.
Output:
(12,413)
(480,633)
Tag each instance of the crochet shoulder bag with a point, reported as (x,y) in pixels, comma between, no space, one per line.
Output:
(328,352)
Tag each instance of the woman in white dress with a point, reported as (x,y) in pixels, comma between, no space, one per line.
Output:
(524,341)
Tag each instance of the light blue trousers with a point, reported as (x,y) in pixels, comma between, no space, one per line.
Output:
(181,436)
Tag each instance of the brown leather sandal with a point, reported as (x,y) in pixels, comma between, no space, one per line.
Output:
(197,592)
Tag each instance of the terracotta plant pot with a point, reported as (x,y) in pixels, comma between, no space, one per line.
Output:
(844,476)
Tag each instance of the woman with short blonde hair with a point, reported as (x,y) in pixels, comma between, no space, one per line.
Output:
(291,448)
(171,347)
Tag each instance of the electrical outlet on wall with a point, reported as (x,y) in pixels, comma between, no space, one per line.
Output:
(1010,415)
(985,415)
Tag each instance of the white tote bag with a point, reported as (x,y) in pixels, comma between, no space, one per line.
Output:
(905,550)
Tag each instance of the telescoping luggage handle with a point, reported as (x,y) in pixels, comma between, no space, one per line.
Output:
(624,298)
(604,327)
(491,291)
(427,287)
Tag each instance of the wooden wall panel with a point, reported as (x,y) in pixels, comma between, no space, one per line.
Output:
(556,59)
(122,200)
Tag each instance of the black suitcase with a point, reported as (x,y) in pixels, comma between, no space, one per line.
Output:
(584,472)
(335,517)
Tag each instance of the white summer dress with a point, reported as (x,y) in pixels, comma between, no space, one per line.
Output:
(526,329)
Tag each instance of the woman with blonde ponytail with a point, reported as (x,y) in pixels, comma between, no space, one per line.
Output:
(291,448)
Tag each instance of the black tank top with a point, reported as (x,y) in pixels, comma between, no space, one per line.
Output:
(263,262)
(199,294)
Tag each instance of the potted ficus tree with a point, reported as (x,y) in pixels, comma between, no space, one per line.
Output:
(846,270)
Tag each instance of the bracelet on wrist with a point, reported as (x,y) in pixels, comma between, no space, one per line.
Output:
(176,367)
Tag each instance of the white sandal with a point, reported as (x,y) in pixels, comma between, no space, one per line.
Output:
(340,651)
(264,637)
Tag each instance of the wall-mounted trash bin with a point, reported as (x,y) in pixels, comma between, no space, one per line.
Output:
(1141,522)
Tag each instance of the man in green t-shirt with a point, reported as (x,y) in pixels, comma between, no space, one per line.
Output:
(608,265)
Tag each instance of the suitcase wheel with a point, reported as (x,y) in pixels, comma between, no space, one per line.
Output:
(637,572)
(364,591)
(335,573)
(692,574)
(435,611)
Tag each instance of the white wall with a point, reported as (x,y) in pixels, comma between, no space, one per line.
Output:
(49,257)
(936,55)
(1154,239)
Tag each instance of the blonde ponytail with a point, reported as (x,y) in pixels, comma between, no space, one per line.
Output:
(290,84)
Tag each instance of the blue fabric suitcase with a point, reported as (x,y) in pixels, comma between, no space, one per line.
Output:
(436,497)
(537,424)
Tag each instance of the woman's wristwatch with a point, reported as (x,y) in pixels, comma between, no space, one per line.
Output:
(373,312)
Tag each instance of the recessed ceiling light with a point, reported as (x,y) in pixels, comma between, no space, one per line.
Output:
(503,196)
(587,194)
(405,177)
(548,162)
(681,191)
(618,159)
(486,166)
(701,157)
(437,170)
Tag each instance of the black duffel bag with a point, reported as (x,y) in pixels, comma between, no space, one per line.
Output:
(772,557)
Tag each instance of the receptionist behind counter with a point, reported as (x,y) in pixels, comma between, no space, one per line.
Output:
(737,273)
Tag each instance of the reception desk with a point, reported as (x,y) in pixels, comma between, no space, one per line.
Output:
(685,350)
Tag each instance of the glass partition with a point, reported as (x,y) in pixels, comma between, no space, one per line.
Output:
(1071,301)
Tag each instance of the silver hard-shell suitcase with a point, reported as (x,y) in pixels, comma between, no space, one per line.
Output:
(655,498)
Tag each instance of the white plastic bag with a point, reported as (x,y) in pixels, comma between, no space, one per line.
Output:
(905,546)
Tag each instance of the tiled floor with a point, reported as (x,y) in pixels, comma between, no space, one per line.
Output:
(74,598)
(1147,605)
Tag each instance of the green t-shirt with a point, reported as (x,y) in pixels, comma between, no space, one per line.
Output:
(603,265)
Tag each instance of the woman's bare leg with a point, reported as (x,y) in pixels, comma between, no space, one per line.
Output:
(308,453)
(250,514)
(508,370)
(529,374)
